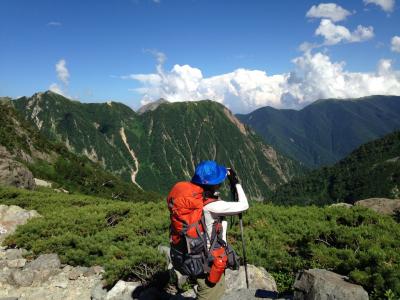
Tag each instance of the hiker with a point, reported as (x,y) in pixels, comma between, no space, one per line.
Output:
(199,247)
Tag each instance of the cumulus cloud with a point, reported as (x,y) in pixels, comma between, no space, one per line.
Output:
(63,75)
(62,71)
(396,44)
(386,5)
(330,11)
(334,34)
(314,77)
(54,87)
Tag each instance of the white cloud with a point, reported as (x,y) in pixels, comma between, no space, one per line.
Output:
(334,34)
(386,5)
(54,23)
(62,71)
(396,44)
(314,77)
(63,75)
(330,11)
(54,87)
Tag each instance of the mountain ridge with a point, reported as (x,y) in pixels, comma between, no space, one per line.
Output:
(161,146)
(326,130)
(370,171)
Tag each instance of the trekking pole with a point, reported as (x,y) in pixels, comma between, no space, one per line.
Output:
(235,197)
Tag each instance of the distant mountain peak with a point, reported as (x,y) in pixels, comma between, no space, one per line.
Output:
(151,106)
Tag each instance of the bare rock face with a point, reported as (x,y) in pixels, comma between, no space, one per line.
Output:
(11,217)
(44,278)
(318,284)
(14,173)
(259,279)
(381,205)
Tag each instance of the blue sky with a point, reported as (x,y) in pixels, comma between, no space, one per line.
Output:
(237,46)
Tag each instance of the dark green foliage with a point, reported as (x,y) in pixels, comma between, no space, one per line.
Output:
(373,170)
(124,237)
(83,230)
(167,142)
(326,130)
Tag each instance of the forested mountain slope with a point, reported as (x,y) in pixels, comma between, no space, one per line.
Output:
(326,130)
(373,170)
(22,145)
(161,146)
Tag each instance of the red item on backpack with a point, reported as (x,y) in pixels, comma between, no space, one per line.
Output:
(218,266)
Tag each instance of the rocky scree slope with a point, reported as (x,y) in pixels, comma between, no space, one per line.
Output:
(161,146)
(327,130)
(25,154)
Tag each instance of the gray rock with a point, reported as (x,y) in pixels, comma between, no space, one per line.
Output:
(5,275)
(188,295)
(21,277)
(8,298)
(16,263)
(76,272)
(122,290)
(95,270)
(259,279)
(11,217)
(61,284)
(98,292)
(381,205)
(14,173)
(166,251)
(15,253)
(180,280)
(319,284)
(341,204)
(45,262)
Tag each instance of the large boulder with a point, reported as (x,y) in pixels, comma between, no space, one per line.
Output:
(14,173)
(259,279)
(381,205)
(319,284)
(11,217)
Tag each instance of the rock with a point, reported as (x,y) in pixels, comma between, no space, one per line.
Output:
(95,270)
(61,284)
(180,279)
(5,275)
(14,173)
(259,279)
(122,290)
(9,298)
(21,277)
(381,205)
(98,292)
(14,253)
(43,183)
(12,216)
(45,262)
(76,272)
(318,284)
(165,250)
(16,263)
(341,204)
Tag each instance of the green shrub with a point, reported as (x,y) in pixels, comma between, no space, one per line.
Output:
(123,237)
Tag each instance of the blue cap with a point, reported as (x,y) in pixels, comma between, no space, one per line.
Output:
(208,172)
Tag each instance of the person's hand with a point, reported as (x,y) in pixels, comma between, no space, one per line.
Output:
(233,179)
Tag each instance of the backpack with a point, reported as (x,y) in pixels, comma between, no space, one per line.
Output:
(188,234)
